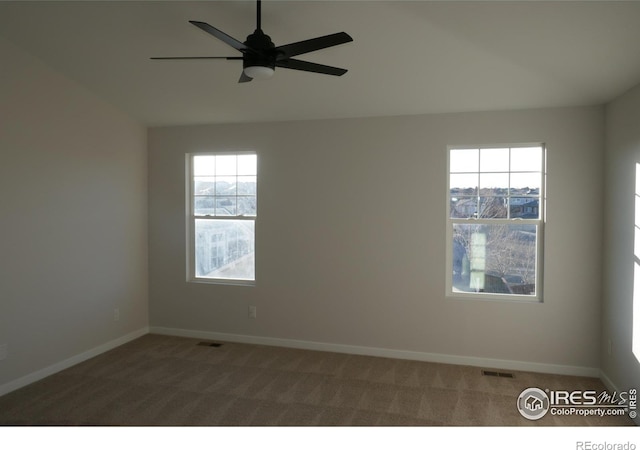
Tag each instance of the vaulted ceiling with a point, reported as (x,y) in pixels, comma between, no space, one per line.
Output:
(409,57)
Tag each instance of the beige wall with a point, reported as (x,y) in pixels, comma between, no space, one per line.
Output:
(350,237)
(73,207)
(623,153)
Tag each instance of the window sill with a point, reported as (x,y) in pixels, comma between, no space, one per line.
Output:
(222,281)
(505,298)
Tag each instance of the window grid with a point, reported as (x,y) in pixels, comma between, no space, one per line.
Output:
(241,203)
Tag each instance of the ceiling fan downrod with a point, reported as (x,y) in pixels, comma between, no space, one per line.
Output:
(259,15)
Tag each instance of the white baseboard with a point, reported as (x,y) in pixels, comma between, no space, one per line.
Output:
(607,382)
(384,352)
(310,345)
(57,367)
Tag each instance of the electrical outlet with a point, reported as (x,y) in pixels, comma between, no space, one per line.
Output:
(252,312)
(116,314)
(4,351)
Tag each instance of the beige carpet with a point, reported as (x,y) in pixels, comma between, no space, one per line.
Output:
(162,380)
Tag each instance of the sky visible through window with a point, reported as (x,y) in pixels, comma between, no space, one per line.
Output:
(221,165)
(494,165)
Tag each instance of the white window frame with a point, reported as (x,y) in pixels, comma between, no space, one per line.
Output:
(539,222)
(191,221)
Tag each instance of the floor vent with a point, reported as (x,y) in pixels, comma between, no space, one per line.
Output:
(492,373)
(209,344)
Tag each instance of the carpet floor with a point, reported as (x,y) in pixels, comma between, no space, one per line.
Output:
(172,381)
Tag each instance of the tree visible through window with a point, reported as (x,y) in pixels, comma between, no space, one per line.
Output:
(494,222)
(223,210)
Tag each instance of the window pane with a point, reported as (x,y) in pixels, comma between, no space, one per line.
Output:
(247,185)
(524,208)
(204,206)
(225,249)
(204,165)
(526,159)
(499,259)
(494,181)
(494,160)
(463,161)
(226,165)
(204,186)
(637,210)
(226,185)
(226,206)
(463,207)
(247,165)
(493,207)
(526,183)
(463,184)
(247,206)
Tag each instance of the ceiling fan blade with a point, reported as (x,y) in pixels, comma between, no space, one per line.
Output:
(311,45)
(244,78)
(197,57)
(221,35)
(296,64)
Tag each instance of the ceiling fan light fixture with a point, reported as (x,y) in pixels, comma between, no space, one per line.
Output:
(258,72)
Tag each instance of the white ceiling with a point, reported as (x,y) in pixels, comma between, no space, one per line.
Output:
(407,57)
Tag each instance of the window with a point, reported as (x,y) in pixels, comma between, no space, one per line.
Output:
(495,222)
(635,306)
(222,216)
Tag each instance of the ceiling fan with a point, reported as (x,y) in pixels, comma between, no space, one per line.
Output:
(260,56)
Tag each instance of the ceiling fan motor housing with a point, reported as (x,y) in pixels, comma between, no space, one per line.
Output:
(265,54)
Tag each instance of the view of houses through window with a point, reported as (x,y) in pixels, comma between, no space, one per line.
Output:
(223,214)
(495,220)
